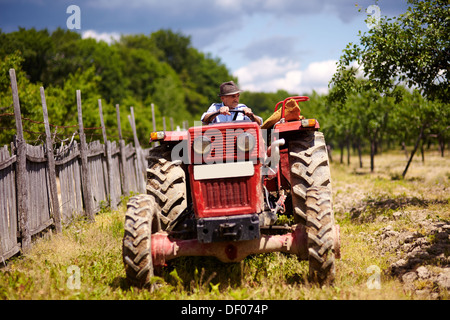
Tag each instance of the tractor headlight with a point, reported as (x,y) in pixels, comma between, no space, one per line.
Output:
(246,142)
(202,145)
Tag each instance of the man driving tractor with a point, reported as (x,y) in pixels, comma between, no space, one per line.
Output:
(229,109)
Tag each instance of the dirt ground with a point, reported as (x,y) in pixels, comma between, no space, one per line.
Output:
(409,218)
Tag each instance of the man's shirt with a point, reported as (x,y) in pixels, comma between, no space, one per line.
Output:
(227,118)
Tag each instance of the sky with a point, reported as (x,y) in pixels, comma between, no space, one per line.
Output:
(267,44)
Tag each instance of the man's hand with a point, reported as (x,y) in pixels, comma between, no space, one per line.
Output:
(224,110)
(249,113)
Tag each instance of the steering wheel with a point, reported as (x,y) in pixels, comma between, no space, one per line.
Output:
(236,113)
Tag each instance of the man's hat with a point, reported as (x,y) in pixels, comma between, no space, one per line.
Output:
(228,88)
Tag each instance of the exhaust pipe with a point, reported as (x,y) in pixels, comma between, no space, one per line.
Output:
(273,157)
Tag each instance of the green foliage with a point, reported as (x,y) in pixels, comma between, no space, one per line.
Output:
(411,49)
(138,70)
(163,69)
(28,95)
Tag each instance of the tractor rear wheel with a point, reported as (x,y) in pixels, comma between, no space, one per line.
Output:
(320,228)
(141,221)
(308,160)
(166,181)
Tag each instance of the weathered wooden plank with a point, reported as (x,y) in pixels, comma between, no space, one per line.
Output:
(41,226)
(68,177)
(98,176)
(8,213)
(64,193)
(36,159)
(7,162)
(95,151)
(73,155)
(116,177)
(130,168)
(38,192)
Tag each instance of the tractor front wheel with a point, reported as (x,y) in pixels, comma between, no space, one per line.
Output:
(320,228)
(141,221)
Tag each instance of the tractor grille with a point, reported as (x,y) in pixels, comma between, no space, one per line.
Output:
(223,147)
(225,193)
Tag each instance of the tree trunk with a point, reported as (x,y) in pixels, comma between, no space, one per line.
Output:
(360,153)
(441,144)
(348,150)
(416,146)
(372,155)
(422,152)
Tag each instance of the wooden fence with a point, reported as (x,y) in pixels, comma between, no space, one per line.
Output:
(42,188)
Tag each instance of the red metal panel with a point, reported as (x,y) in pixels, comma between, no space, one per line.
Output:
(223,137)
(293,126)
(227,196)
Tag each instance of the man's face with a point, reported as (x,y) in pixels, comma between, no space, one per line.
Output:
(231,101)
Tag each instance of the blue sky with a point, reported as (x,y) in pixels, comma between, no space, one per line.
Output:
(267,44)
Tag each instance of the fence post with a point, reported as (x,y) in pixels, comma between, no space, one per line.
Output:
(123,160)
(51,166)
(21,169)
(112,195)
(85,178)
(137,146)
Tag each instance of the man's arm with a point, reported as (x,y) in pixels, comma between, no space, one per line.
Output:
(210,116)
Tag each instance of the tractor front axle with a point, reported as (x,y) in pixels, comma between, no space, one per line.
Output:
(164,248)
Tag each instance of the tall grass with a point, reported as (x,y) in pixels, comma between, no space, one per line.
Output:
(85,260)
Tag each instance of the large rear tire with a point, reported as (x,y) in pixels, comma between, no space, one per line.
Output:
(141,221)
(308,160)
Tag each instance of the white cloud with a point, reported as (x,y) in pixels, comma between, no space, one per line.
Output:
(272,74)
(320,72)
(108,37)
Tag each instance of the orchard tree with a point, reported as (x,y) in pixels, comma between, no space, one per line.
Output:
(412,49)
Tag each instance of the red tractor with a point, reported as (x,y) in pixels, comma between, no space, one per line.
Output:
(217,190)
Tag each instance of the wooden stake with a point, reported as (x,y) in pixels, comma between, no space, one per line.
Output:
(137,146)
(123,160)
(51,166)
(85,178)
(112,195)
(21,169)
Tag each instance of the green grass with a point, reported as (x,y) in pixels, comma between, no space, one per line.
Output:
(95,250)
